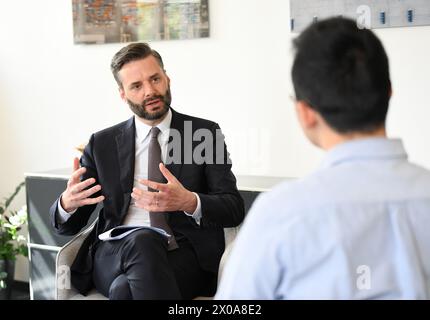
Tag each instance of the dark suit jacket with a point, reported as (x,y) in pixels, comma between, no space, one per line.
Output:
(109,158)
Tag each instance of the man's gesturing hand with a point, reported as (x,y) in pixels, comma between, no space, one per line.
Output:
(171,196)
(75,195)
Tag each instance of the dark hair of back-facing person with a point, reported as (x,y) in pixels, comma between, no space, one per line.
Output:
(342,72)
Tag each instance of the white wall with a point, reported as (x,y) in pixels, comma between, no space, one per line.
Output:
(54,94)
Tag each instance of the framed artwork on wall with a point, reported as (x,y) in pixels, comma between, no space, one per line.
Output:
(108,21)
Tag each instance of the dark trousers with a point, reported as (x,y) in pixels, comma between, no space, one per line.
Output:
(139,266)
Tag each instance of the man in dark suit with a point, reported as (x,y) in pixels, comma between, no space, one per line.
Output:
(121,168)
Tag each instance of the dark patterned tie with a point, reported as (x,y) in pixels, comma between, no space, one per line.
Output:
(157,219)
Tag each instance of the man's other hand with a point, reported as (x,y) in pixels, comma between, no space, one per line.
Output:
(171,196)
(75,195)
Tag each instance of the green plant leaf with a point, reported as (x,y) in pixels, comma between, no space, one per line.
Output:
(12,244)
(10,199)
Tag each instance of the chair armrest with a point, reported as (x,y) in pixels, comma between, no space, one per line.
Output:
(230,236)
(65,258)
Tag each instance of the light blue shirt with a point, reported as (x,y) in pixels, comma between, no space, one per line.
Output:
(357,228)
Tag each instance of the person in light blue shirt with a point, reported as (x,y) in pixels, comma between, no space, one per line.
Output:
(357,227)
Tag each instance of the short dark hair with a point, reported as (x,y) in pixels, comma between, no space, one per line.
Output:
(132,52)
(342,72)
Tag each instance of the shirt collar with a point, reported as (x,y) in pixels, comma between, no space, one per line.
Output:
(365,149)
(142,129)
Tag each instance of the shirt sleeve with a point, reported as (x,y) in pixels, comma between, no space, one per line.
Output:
(63,215)
(252,270)
(197,214)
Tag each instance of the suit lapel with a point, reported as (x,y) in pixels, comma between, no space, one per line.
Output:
(177,124)
(125,143)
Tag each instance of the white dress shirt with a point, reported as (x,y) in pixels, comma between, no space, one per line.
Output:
(136,215)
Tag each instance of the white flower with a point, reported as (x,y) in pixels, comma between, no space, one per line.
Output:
(9,226)
(15,220)
(22,213)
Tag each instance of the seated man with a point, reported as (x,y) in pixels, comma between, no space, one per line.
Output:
(160,169)
(357,228)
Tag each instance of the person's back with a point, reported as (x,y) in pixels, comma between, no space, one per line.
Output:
(356,228)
